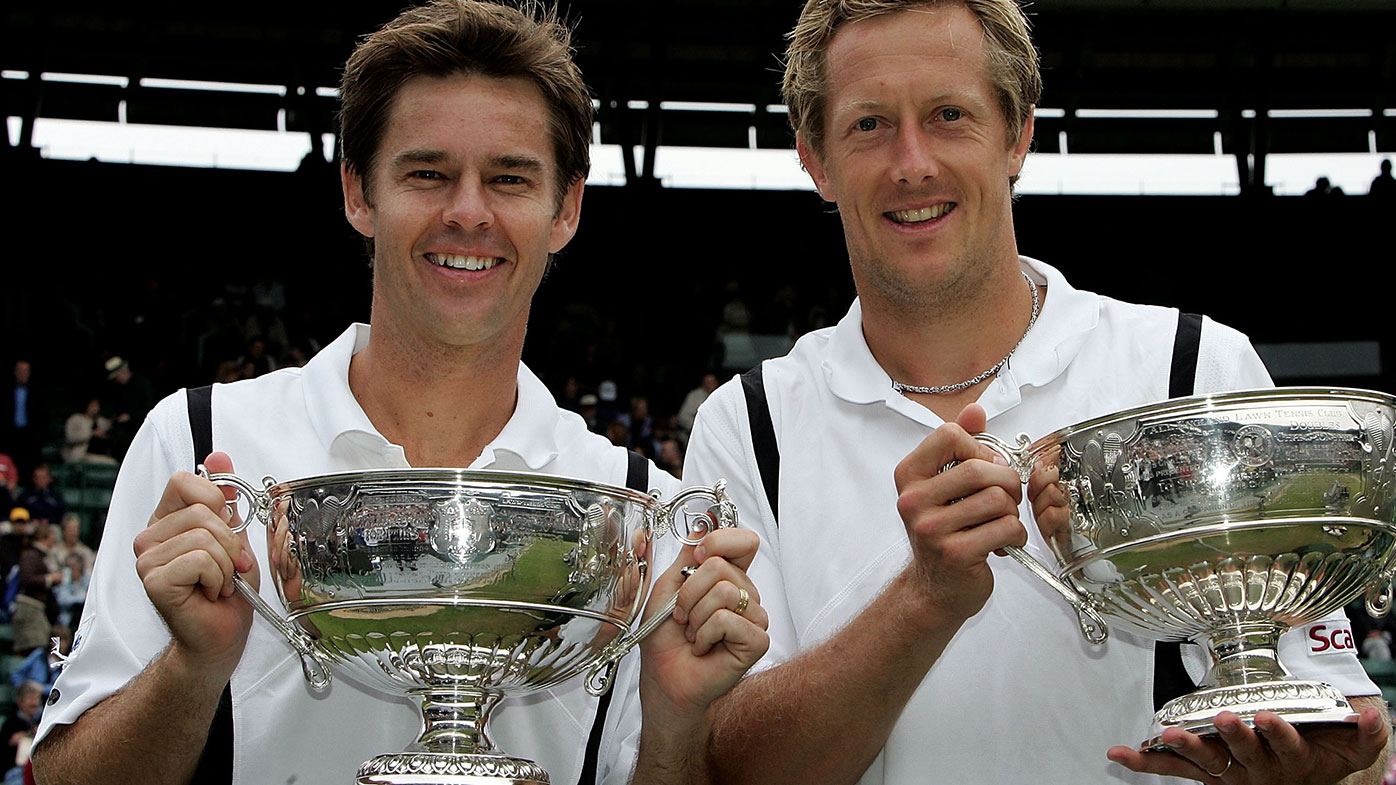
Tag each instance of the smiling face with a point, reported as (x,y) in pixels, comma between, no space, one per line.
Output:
(917,156)
(464,210)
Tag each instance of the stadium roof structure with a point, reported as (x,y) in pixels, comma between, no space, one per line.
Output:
(1251,77)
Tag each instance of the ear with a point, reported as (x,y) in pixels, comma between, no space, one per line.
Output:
(1020,147)
(569,215)
(356,206)
(812,163)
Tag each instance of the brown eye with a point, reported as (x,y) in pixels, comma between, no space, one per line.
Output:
(867,124)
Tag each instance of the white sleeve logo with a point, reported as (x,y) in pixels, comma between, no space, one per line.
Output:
(1323,639)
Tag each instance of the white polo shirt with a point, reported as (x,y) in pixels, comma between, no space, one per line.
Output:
(1017,694)
(297,423)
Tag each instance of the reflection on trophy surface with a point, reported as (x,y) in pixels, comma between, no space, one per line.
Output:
(459,588)
(1223,520)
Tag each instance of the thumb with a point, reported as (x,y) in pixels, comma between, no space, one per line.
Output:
(972,418)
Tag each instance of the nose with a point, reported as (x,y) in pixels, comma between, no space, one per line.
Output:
(468,205)
(915,162)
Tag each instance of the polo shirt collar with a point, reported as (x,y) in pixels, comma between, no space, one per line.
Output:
(527,442)
(530,436)
(1068,315)
(329,403)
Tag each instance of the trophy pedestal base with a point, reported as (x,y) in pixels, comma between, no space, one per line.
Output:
(445,768)
(1294,700)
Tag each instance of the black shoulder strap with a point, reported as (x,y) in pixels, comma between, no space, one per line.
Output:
(216,761)
(1170,677)
(1182,379)
(763,436)
(201,420)
(637,476)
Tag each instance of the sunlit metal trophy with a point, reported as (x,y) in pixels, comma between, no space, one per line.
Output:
(459,588)
(1223,520)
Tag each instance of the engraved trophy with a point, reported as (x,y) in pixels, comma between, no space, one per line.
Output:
(459,588)
(1223,520)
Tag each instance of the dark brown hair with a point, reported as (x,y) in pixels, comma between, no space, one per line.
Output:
(466,37)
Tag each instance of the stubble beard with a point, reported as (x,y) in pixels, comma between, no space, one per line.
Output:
(953,291)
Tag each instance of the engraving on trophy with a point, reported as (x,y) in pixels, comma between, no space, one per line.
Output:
(463,528)
(1253,446)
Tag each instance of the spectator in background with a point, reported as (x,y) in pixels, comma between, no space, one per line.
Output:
(1383,185)
(587,407)
(640,427)
(607,409)
(42,664)
(18,730)
(14,539)
(671,457)
(618,433)
(22,418)
(36,607)
(1324,187)
(42,500)
(255,361)
(71,593)
(131,398)
(87,435)
(688,410)
(9,484)
(70,542)
(1377,645)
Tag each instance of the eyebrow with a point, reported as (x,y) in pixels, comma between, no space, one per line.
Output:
(525,162)
(419,157)
(505,161)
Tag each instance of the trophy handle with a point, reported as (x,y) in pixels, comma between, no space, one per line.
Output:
(699,524)
(603,671)
(258,500)
(317,675)
(1379,597)
(1093,626)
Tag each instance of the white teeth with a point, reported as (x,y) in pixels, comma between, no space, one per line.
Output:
(923,214)
(458,262)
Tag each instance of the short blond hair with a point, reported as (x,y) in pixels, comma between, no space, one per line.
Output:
(1014,64)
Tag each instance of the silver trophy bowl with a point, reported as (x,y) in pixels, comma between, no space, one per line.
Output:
(1223,520)
(459,588)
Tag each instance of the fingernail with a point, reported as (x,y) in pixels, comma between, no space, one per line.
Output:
(688,633)
(1176,744)
(999,459)
(701,554)
(244,561)
(1227,730)
(680,615)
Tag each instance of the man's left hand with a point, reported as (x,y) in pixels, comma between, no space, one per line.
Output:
(1274,753)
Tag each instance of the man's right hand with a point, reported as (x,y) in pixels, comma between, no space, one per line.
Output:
(186,558)
(957,517)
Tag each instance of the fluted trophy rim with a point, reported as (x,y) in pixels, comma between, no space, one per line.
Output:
(493,480)
(1201,404)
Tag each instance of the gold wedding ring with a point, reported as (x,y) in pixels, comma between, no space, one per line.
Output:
(743,599)
(1224,770)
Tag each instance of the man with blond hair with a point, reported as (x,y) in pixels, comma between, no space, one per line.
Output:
(902,651)
(465,129)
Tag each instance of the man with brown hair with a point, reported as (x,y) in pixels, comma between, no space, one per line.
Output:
(901,651)
(465,130)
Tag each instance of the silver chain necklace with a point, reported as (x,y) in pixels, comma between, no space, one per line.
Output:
(957,386)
